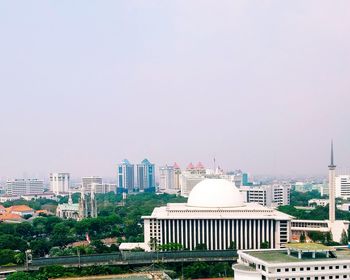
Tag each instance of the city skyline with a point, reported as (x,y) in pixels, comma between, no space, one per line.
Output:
(260,86)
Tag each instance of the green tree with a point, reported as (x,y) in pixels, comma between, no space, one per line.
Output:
(7,256)
(201,246)
(265,245)
(344,238)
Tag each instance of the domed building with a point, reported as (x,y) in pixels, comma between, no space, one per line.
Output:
(216,217)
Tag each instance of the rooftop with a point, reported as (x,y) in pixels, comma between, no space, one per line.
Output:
(281,256)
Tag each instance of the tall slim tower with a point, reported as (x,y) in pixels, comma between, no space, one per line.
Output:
(331,186)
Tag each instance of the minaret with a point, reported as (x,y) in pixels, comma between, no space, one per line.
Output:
(331,187)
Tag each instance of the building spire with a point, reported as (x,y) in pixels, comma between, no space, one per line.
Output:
(332,156)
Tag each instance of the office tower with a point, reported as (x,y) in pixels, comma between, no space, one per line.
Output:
(59,182)
(125,177)
(342,186)
(88,181)
(331,182)
(216,216)
(166,178)
(146,176)
(104,188)
(267,195)
(24,186)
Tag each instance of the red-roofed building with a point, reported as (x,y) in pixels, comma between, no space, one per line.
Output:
(21,210)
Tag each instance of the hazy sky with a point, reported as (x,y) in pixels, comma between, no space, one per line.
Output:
(260,85)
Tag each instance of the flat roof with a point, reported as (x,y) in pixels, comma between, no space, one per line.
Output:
(309,247)
(281,256)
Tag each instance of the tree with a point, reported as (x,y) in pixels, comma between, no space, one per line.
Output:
(7,256)
(233,245)
(265,245)
(201,246)
(344,238)
(302,237)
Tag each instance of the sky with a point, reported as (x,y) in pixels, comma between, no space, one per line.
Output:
(260,85)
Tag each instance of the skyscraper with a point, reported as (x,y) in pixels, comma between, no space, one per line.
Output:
(59,182)
(166,178)
(146,176)
(125,177)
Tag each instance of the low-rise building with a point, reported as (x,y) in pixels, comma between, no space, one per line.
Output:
(300,261)
(318,202)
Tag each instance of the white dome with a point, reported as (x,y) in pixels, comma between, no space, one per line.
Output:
(216,193)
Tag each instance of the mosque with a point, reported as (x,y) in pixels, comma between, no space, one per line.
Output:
(215,216)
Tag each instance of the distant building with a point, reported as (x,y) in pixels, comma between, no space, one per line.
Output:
(88,181)
(318,202)
(59,182)
(146,179)
(104,188)
(68,210)
(342,186)
(24,186)
(167,179)
(125,176)
(268,195)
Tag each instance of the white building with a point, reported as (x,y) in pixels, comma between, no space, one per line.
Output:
(87,182)
(267,195)
(167,179)
(103,188)
(24,186)
(59,182)
(301,261)
(342,186)
(189,181)
(215,215)
(318,202)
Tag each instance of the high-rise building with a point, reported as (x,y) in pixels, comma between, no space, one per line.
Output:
(166,178)
(24,186)
(125,181)
(104,188)
(146,180)
(59,182)
(268,195)
(342,186)
(87,182)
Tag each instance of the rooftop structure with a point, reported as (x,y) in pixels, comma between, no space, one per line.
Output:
(300,261)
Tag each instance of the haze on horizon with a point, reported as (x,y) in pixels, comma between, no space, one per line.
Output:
(259,85)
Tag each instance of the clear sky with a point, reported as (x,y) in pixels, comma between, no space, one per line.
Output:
(260,85)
